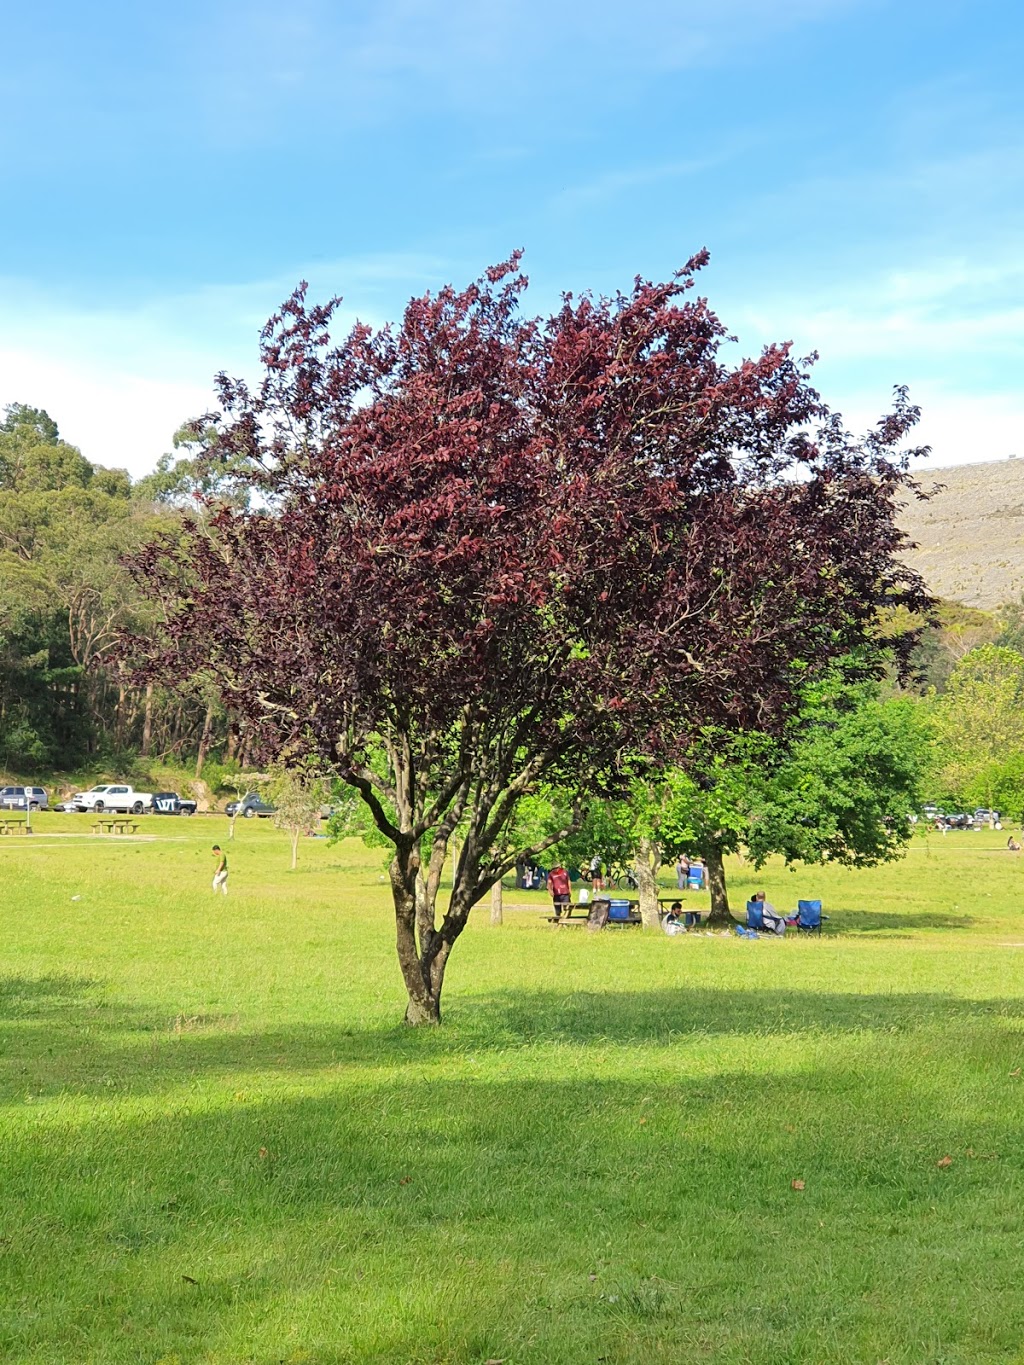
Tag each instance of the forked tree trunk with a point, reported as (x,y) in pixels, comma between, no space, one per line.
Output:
(424,944)
(423,975)
(645,868)
(720,916)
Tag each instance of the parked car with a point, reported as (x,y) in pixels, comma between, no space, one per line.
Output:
(112,796)
(170,803)
(985,817)
(958,820)
(23,798)
(251,804)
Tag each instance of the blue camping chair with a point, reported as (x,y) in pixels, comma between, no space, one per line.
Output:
(808,916)
(620,912)
(695,879)
(755,915)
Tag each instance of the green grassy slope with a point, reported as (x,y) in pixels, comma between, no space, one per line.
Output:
(218,1145)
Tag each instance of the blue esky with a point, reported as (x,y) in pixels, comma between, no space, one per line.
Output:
(170,172)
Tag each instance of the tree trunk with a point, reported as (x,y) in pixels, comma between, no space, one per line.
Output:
(295,848)
(147,722)
(119,719)
(645,868)
(424,1006)
(204,741)
(496,904)
(720,916)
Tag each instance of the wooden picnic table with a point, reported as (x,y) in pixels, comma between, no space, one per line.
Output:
(578,911)
(14,824)
(115,826)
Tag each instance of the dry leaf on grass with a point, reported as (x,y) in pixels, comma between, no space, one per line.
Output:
(943,1162)
(1015,1071)
(796,1184)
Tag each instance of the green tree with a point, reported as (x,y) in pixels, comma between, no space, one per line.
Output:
(950,632)
(299,798)
(979,719)
(840,786)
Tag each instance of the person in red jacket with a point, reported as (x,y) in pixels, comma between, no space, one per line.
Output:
(561,890)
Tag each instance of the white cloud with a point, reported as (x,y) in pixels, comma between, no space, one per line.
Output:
(119,381)
(116,418)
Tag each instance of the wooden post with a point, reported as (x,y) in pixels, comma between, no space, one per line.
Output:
(496,903)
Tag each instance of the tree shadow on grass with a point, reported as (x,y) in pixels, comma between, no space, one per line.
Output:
(439,1218)
(66,1035)
(663,1016)
(876,921)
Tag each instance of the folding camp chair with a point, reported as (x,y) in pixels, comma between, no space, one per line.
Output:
(808,919)
(774,924)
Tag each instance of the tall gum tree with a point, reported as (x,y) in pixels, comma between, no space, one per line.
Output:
(483,550)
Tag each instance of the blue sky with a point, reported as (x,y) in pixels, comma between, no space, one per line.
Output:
(170,172)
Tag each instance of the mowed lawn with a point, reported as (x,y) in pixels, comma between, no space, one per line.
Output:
(219,1144)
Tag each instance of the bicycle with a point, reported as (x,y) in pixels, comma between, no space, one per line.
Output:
(620,879)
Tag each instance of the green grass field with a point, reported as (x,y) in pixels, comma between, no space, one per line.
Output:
(218,1144)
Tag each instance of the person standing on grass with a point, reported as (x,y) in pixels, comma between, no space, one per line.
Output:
(220,872)
(682,871)
(561,890)
(596,873)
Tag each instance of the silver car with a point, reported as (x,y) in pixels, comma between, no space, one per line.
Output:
(23,798)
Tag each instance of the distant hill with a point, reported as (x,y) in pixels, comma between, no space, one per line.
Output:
(970,534)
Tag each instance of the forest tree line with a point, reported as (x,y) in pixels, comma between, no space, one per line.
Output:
(65,594)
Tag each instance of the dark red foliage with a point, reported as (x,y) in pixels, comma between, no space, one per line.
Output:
(495,550)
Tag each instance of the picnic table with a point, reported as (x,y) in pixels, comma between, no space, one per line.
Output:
(14,824)
(579,912)
(115,825)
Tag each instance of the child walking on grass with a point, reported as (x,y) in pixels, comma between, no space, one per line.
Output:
(220,872)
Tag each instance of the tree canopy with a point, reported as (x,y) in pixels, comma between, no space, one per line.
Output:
(484,550)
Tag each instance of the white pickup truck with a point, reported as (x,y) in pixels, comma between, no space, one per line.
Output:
(114,797)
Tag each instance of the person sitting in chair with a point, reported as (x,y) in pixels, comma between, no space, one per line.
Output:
(773,921)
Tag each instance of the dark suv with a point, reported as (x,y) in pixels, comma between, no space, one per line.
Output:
(170,803)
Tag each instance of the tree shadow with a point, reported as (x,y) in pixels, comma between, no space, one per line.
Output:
(47,994)
(877,921)
(330,1226)
(662,1016)
(65,1035)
